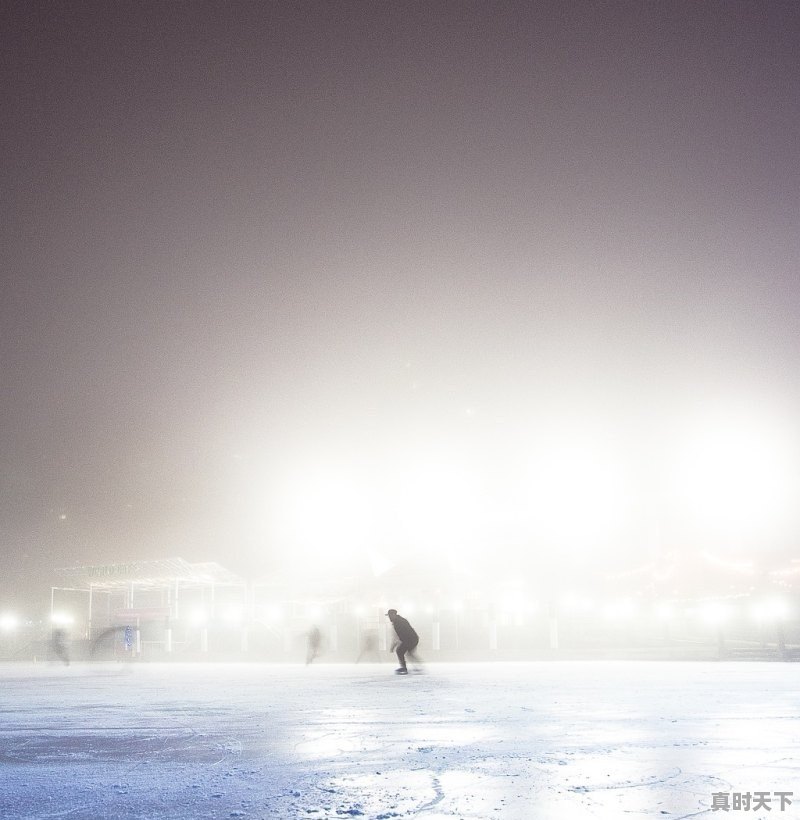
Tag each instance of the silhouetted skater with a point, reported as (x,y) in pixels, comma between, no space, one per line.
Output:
(58,644)
(407,640)
(314,637)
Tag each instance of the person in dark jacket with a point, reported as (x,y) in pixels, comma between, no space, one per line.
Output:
(407,640)
(58,643)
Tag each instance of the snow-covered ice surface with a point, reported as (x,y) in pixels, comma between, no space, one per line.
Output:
(551,740)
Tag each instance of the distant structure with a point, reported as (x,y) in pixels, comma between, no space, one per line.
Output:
(684,605)
(166,604)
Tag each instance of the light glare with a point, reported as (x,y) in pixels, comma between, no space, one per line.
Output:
(198,617)
(8,622)
(770,611)
(715,613)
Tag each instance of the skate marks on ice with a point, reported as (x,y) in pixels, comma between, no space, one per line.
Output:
(552,745)
(588,742)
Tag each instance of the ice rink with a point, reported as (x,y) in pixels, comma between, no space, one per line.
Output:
(552,740)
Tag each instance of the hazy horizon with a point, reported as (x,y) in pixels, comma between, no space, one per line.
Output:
(293,278)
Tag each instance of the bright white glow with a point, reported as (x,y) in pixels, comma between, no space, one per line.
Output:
(359,610)
(233,615)
(516,603)
(436,504)
(574,484)
(273,614)
(408,608)
(379,563)
(62,619)
(322,514)
(325,508)
(578,495)
(8,622)
(314,612)
(771,610)
(511,603)
(574,604)
(198,617)
(457,606)
(741,567)
(735,476)
(715,613)
(622,610)
(664,611)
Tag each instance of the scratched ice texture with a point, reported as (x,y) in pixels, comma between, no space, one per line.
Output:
(572,740)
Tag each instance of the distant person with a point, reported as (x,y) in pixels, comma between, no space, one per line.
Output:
(407,640)
(58,644)
(314,641)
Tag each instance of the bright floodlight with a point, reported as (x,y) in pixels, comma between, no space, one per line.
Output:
(8,622)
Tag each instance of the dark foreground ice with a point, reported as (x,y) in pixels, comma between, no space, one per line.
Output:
(474,741)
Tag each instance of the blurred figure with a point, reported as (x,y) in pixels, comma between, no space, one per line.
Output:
(314,640)
(102,642)
(106,643)
(407,640)
(58,643)
(369,647)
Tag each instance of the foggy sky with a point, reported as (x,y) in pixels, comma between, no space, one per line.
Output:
(241,238)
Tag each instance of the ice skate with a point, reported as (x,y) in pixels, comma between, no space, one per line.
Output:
(401,671)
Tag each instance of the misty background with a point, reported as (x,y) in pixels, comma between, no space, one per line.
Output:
(282,279)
